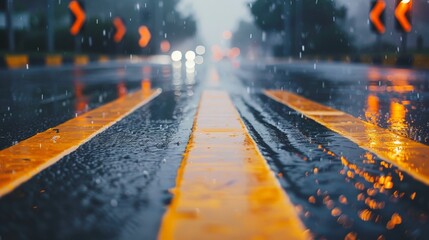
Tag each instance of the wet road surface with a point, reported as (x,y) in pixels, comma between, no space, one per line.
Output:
(116,185)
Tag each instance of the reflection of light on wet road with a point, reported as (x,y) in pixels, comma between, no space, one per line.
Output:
(390,80)
(214,77)
(146,87)
(397,118)
(397,88)
(81,101)
(81,104)
(372,113)
(122,90)
(177,78)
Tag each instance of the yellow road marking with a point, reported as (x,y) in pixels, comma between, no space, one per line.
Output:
(225,189)
(406,154)
(22,161)
(16,61)
(81,60)
(103,59)
(53,60)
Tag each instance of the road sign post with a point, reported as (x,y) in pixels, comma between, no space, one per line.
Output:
(287,30)
(298,25)
(9,25)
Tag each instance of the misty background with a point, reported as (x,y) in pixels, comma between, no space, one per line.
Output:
(206,21)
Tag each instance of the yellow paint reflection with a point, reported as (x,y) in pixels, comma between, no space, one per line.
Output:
(395,80)
(146,86)
(121,87)
(121,72)
(81,103)
(372,113)
(397,117)
(147,70)
(225,189)
(122,90)
(395,220)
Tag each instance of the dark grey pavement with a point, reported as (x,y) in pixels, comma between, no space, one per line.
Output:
(116,185)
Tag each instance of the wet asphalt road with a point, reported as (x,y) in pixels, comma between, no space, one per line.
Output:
(115,186)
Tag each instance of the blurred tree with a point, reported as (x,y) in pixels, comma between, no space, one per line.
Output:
(98,31)
(322,24)
(248,38)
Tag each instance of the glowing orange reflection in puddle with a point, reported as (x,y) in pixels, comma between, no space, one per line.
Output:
(397,120)
(81,102)
(372,113)
(122,90)
(396,80)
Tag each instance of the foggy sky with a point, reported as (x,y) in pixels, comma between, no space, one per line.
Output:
(216,16)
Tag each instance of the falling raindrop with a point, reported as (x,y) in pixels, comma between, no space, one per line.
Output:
(113,203)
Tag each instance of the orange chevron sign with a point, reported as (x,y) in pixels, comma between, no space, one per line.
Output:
(403,15)
(145,36)
(79,13)
(376,16)
(120,29)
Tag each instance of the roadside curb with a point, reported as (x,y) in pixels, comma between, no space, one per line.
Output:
(392,60)
(19,61)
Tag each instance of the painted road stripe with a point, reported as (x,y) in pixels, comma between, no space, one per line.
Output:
(17,61)
(225,189)
(53,60)
(406,154)
(22,161)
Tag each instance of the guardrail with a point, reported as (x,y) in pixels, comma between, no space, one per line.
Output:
(22,61)
(19,61)
(392,60)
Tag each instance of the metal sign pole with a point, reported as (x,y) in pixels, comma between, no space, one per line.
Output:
(9,25)
(51,27)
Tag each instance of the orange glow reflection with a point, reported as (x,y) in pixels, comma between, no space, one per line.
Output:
(234,53)
(217,53)
(372,113)
(147,70)
(81,104)
(146,86)
(397,118)
(165,46)
(122,90)
(227,35)
(396,80)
